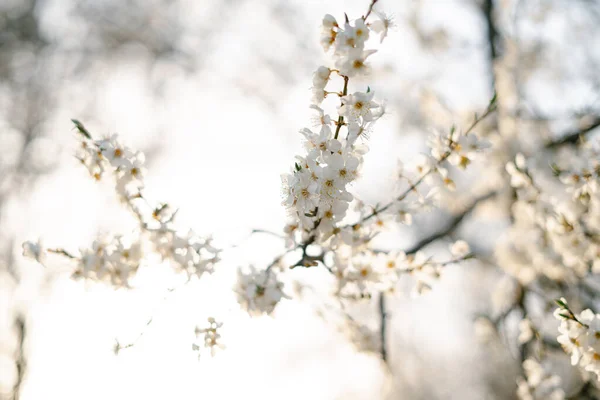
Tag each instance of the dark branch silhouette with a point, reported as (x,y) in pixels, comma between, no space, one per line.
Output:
(574,137)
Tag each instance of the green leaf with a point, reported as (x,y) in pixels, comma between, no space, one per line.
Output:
(494,99)
(566,316)
(555,169)
(81,129)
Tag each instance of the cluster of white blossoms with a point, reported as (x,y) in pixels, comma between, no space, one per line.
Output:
(562,229)
(582,176)
(557,210)
(188,252)
(116,259)
(360,273)
(112,260)
(316,194)
(258,291)
(579,336)
(538,385)
(109,155)
(553,247)
(459,148)
(316,191)
(211,337)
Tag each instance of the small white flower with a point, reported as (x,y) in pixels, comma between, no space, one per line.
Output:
(361,32)
(358,105)
(382,25)
(540,384)
(114,151)
(355,62)
(460,248)
(34,250)
(318,95)
(356,130)
(328,33)
(526,331)
(322,118)
(321,77)
(211,336)
(258,291)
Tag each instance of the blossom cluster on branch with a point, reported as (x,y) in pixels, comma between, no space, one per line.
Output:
(328,225)
(557,209)
(116,259)
(211,337)
(579,336)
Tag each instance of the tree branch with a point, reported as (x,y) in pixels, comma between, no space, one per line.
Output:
(573,137)
(21,361)
(452,225)
(382,327)
(492,32)
(492,105)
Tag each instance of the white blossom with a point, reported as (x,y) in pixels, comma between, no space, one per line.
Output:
(258,291)
(539,385)
(34,250)
(382,25)
(459,249)
(358,105)
(354,62)
(211,337)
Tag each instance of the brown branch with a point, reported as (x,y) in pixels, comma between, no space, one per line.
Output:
(452,225)
(574,137)
(492,32)
(488,111)
(587,391)
(63,252)
(382,327)
(370,9)
(21,361)
(340,120)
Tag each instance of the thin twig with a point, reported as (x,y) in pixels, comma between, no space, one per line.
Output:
(490,109)
(574,137)
(492,32)
(452,225)
(340,120)
(21,361)
(63,252)
(370,9)
(382,327)
(118,346)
